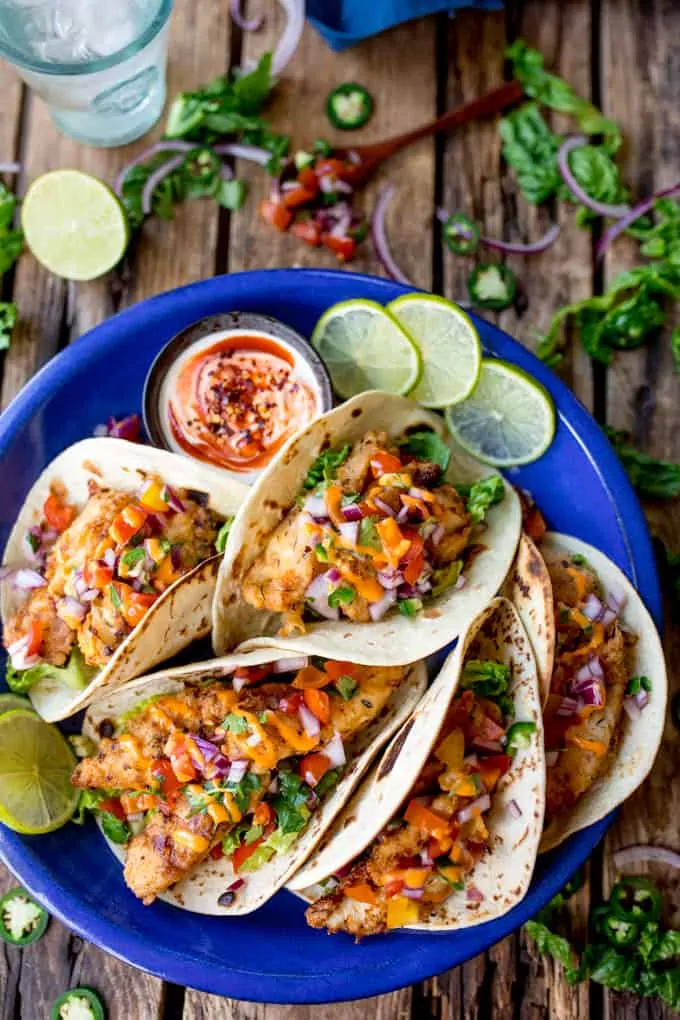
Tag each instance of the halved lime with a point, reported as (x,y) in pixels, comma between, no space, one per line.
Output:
(449,346)
(74,224)
(508,419)
(365,348)
(8,701)
(36,764)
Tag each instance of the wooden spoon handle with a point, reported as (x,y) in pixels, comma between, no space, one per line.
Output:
(486,105)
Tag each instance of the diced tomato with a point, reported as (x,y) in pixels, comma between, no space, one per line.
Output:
(331,167)
(217,853)
(180,759)
(362,892)
(311,677)
(393,887)
(308,179)
(57,514)
(291,703)
(113,807)
(414,559)
(306,190)
(168,783)
(534,524)
(343,248)
(313,767)
(127,523)
(308,231)
(242,853)
(34,631)
(502,762)
(134,604)
(337,669)
(318,703)
(421,817)
(276,214)
(263,814)
(251,674)
(384,463)
(97,575)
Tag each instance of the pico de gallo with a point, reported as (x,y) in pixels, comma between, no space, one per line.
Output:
(95,572)
(231,768)
(430,848)
(376,528)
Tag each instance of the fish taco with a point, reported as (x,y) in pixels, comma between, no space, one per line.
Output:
(371,537)
(444,833)
(529,588)
(110,568)
(604,714)
(214,782)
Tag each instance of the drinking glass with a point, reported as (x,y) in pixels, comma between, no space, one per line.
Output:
(98,64)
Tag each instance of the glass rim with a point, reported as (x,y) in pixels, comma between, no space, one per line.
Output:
(8,52)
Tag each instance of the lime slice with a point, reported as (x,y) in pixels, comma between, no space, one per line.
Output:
(509,419)
(74,224)
(9,701)
(36,764)
(449,346)
(364,348)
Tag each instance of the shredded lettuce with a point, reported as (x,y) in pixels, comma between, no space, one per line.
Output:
(76,674)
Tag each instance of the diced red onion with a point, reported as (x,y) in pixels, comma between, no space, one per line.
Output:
(592,693)
(334,575)
(568,707)
(343,224)
(22,578)
(425,859)
(616,599)
(390,579)
(474,895)
(402,516)
(290,665)
(551,758)
(378,609)
(632,215)
(481,804)
(349,531)
(633,710)
(17,652)
(641,699)
(237,771)
(490,746)
(155,179)
(353,512)
(593,608)
(89,595)
(608,617)
(461,581)
(379,234)
(520,248)
(385,507)
(335,751)
(254,739)
(311,724)
(239,682)
(245,24)
(292,33)
(315,506)
(109,558)
(73,608)
(514,809)
(423,587)
(236,885)
(646,854)
(252,153)
(176,556)
(412,894)
(601,208)
(170,497)
(206,747)
(438,534)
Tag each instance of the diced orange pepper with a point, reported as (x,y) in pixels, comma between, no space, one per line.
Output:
(165,779)
(318,703)
(451,873)
(416,504)
(156,550)
(489,774)
(393,542)
(368,587)
(263,814)
(584,744)
(152,497)
(218,812)
(333,499)
(57,514)
(451,750)
(313,767)
(362,893)
(166,574)
(97,575)
(335,670)
(310,677)
(421,817)
(415,878)
(585,650)
(133,803)
(467,787)
(439,847)
(134,604)
(580,581)
(402,911)
(127,523)
(383,463)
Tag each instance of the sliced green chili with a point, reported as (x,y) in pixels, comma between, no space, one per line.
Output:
(616,931)
(636,900)
(203,171)
(492,286)
(78,1004)
(519,736)
(22,920)
(461,234)
(349,106)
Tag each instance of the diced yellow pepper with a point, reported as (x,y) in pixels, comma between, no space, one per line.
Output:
(155,549)
(218,812)
(152,497)
(451,873)
(191,840)
(402,911)
(452,750)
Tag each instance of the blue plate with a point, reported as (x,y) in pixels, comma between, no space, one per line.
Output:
(272,956)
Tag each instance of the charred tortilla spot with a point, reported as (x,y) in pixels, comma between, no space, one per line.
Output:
(357,412)
(394,752)
(92,469)
(106,728)
(535,565)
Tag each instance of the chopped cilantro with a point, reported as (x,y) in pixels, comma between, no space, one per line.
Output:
(409,607)
(346,687)
(324,468)
(243,791)
(368,534)
(427,446)
(115,597)
(327,782)
(320,552)
(223,535)
(291,807)
(235,724)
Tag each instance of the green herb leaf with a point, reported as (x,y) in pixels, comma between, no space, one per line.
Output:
(650,476)
(427,446)
(232,194)
(342,596)
(235,724)
(223,535)
(481,495)
(243,791)
(291,807)
(346,687)
(132,556)
(76,674)
(115,597)
(327,782)
(325,467)
(409,607)
(8,320)
(113,828)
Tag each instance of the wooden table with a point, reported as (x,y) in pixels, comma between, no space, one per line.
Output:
(623,53)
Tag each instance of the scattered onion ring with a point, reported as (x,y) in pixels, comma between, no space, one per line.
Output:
(640,854)
(518,248)
(379,235)
(253,153)
(292,33)
(10,168)
(601,208)
(245,24)
(169,146)
(632,215)
(155,179)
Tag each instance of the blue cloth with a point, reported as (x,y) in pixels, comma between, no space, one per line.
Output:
(343,23)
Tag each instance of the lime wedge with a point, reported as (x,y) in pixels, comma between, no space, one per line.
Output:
(509,419)
(74,224)
(449,347)
(9,701)
(364,348)
(36,764)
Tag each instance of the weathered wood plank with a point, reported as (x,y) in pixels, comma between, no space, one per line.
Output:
(199,1006)
(299,109)
(643,387)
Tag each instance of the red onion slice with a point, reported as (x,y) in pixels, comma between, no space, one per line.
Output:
(291,665)
(639,854)
(412,894)
(593,608)
(601,208)
(18,653)
(252,153)
(482,804)
(514,809)
(22,578)
(632,215)
(350,532)
(353,512)
(633,710)
(379,235)
(315,506)
(292,33)
(520,248)
(385,507)
(72,608)
(237,771)
(390,579)
(316,597)
(155,179)
(153,150)
(378,609)
(335,751)
(245,24)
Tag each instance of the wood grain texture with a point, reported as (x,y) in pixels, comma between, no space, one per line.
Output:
(396,1006)
(643,387)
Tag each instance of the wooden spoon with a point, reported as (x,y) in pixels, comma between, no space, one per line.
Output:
(371,156)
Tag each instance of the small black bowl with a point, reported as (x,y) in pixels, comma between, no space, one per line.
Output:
(224,322)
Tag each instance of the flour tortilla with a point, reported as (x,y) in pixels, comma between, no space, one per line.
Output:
(502,875)
(182,613)
(395,639)
(639,740)
(529,588)
(200,891)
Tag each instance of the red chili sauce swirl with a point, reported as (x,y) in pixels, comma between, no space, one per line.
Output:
(236,402)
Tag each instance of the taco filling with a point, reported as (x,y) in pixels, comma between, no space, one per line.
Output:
(592,682)
(376,528)
(98,569)
(430,849)
(231,769)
